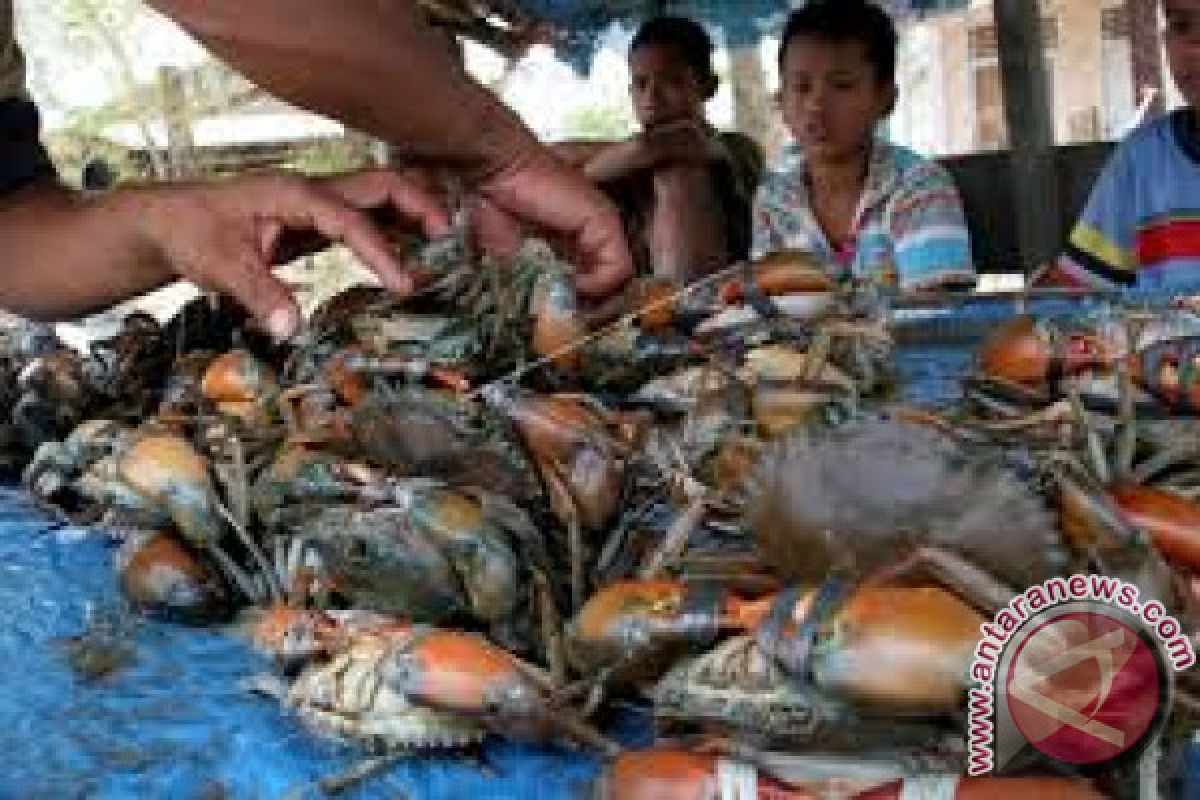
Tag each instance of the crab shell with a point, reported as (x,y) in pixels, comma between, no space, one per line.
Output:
(350,697)
(1018,352)
(476,545)
(297,636)
(669,774)
(159,575)
(381,562)
(566,437)
(239,385)
(779,273)
(902,649)
(648,624)
(168,472)
(237,377)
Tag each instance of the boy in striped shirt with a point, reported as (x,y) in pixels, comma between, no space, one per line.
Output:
(872,211)
(1141,226)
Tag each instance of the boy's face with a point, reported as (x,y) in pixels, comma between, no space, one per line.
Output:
(831,97)
(664,87)
(1181,35)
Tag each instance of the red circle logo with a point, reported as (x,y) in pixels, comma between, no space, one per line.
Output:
(1083,688)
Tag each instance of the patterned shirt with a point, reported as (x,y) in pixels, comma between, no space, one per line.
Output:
(1141,226)
(909,231)
(22,159)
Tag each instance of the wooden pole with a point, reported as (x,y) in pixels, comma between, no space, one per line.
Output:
(754,111)
(1030,130)
(180,143)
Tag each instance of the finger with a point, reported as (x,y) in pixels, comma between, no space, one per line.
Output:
(494,232)
(604,261)
(558,201)
(408,198)
(243,273)
(303,203)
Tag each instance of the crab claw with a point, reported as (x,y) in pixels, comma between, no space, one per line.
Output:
(464,674)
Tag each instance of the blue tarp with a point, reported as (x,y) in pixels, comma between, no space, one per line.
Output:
(176,723)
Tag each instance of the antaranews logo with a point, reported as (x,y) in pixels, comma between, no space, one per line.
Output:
(1075,670)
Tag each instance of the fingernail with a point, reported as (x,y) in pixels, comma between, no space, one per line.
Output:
(281,324)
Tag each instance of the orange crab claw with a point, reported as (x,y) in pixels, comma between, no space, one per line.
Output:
(237,377)
(1172,522)
(669,774)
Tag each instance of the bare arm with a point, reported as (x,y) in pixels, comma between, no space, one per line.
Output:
(376,66)
(373,64)
(682,143)
(65,256)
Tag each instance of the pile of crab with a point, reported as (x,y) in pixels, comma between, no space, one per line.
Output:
(488,510)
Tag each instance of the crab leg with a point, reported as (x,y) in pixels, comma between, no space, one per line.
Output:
(551,629)
(1095,448)
(676,539)
(358,773)
(275,591)
(975,586)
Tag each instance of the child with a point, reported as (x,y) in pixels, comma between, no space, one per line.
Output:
(1141,226)
(870,210)
(684,190)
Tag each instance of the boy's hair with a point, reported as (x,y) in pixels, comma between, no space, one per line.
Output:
(688,39)
(847,21)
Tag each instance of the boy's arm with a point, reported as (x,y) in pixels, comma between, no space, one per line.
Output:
(930,239)
(686,142)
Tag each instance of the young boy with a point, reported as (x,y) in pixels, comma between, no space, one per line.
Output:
(684,190)
(1141,226)
(870,210)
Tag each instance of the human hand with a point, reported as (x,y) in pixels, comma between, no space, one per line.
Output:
(564,208)
(226,236)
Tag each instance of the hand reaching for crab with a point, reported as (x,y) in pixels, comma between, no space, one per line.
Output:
(67,254)
(559,205)
(227,237)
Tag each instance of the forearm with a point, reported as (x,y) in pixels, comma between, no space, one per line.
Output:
(373,64)
(618,161)
(578,153)
(66,255)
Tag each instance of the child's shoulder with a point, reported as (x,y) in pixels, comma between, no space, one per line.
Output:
(912,168)
(1163,138)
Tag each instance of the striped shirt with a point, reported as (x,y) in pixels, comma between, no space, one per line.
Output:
(1141,226)
(909,231)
